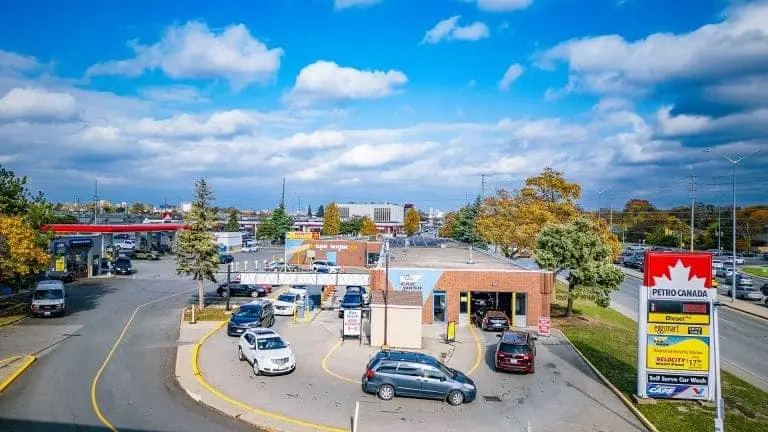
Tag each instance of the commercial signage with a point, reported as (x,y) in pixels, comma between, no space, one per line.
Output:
(61,264)
(80,242)
(676,327)
(301,235)
(544,326)
(353,322)
(410,282)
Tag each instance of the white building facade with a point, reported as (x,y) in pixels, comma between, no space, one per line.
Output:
(379,213)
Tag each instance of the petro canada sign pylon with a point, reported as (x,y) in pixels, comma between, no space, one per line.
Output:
(676,330)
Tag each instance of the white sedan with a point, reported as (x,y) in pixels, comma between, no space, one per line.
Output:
(249,249)
(266,351)
(286,304)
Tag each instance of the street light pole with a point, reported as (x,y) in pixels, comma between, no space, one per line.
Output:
(734,162)
(386,290)
(600,192)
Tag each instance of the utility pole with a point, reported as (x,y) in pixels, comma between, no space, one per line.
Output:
(693,206)
(95,199)
(600,192)
(482,185)
(386,292)
(610,207)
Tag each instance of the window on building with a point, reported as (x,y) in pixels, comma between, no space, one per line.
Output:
(382,214)
(343,212)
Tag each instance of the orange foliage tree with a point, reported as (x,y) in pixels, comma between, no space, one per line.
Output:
(21,255)
(368,227)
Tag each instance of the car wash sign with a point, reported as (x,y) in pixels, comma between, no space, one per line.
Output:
(676,327)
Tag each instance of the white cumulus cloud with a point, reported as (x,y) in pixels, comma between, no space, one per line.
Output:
(511,75)
(327,81)
(345,4)
(449,30)
(38,105)
(501,5)
(194,51)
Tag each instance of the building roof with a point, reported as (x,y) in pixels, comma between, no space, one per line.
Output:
(398,298)
(453,256)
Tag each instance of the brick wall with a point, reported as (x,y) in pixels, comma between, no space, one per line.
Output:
(536,285)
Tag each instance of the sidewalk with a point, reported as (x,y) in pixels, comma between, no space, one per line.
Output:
(751,308)
(12,367)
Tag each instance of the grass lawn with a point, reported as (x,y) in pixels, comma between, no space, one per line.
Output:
(13,309)
(756,271)
(210,313)
(609,340)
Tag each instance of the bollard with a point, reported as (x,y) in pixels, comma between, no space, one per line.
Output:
(357,416)
(245,265)
(193,315)
(237,264)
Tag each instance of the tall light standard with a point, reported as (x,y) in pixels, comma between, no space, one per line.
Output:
(600,192)
(734,162)
(386,291)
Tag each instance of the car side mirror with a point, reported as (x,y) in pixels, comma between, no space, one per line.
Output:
(287,344)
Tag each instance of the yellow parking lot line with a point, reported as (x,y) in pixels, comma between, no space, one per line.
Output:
(324,365)
(198,374)
(479,353)
(20,370)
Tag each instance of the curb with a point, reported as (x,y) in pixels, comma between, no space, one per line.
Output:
(20,370)
(16,321)
(249,409)
(647,423)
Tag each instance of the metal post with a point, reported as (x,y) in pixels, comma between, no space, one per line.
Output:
(733,233)
(245,265)
(716,348)
(610,224)
(693,206)
(386,289)
(356,418)
(229,294)
(719,230)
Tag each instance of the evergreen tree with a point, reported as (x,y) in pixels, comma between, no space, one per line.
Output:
(309,211)
(320,212)
(197,254)
(232,224)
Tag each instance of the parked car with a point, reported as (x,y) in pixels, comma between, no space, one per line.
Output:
(764,289)
(64,276)
(516,352)
(258,313)
(280,266)
(49,299)
(286,304)
(123,266)
(322,266)
(300,290)
(717,264)
(250,249)
(739,259)
(146,255)
(126,244)
(360,290)
(747,293)
(226,258)
(495,320)
(266,351)
(398,373)
(765,257)
(237,289)
(744,280)
(353,300)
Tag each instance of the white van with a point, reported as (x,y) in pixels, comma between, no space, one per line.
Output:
(49,299)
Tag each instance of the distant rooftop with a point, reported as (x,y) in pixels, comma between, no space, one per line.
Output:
(453,256)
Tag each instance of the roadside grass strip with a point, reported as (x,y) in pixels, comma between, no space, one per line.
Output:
(10,314)
(761,271)
(609,341)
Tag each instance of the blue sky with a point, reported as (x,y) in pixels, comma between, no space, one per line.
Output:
(388,100)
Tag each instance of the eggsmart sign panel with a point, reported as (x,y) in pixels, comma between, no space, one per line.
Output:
(675,327)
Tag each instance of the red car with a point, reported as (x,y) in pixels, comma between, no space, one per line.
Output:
(516,352)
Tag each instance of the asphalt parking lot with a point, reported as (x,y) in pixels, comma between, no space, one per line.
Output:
(324,388)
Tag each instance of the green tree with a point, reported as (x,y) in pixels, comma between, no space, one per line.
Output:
(412,221)
(368,227)
(279,223)
(320,212)
(351,226)
(232,224)
(197,254)
(577,247)
(13,193)
(137,208)
(331,221)
(309,211)
(466,228)
(266,230)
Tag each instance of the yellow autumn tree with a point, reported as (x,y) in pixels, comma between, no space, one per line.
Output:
(412,221)
(499,222)
(449,225)
(368,227)
(20,254)
(331,219)
(608,238)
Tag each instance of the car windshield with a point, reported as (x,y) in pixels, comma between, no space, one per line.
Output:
(49,295)
(287,298)
(352,298)
(513,349)
(446,370)
(123,262)
(248,312)
(271,343)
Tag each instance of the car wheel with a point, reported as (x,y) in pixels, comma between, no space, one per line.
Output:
(256,370)
(386,392)
(455,397)
(254,294)
(240,355)
(533,368)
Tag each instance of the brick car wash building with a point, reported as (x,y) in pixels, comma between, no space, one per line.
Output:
(345,253)
(452,284)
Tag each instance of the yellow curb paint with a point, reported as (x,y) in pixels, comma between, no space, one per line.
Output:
(9,359)
(20,370)
(324,365)
(478,353)
(239,404)
(95,382)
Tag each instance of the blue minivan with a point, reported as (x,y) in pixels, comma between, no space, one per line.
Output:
(402,373)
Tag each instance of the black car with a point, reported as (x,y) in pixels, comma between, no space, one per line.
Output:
(494,320)
(400,373)
(123,266)
(351,300)
(256,314)
(226,258)
(237,289)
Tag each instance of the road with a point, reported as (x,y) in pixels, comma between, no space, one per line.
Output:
(137,390)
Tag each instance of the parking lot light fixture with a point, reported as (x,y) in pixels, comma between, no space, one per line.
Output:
(734,162)
(386,289)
